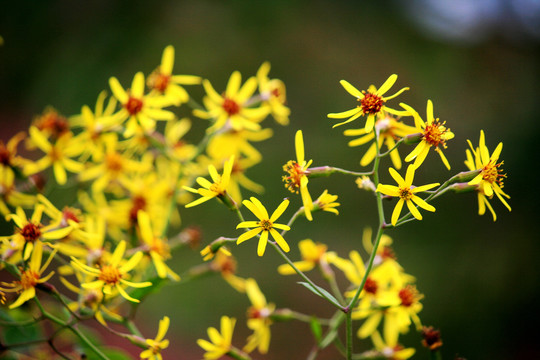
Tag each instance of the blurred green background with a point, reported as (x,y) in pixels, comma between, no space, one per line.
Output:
(478,61)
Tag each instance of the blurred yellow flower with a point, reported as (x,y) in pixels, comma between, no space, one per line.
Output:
(220,342)
(211,190)
(155,346)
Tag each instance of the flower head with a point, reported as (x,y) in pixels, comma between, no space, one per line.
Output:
(30,277)
(327,202)
(258,318)
(220,342)
(406,193)
(491,178)
(274,94)
(211,190)
(266,225)
(297,171)
(312,254)
(155,346)
(112,274)
(434,135)
(370,103)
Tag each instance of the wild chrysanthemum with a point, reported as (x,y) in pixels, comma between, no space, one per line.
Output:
(30,277)
(155,346)
(297,171)
(157,247)
(266,225)
(274,94)
(434,135)
(112,274)
(163,82)
(140,110)
(326,202)
(258,319)
(231,110)
(220,342)
(491,178)
(371,103)
(312,254)
(58,155)
(211,190)
(406,193)
(390,130)
(390,349)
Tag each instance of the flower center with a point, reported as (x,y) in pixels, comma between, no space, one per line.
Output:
(5,156)
(110,274)
(434,133)
(160,247)
(113,162)
(29,279)
(133,105)
(69,213)
(139,203)
(371,103)
(266,225)
(231,107)
(405,193)
(409,295)
(295,172)
(31,232)
(492,173)
(158,81)
(370,286)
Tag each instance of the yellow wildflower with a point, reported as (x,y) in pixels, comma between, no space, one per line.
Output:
(231,110)
(406,193)
(273,93)
(9,194)
(211,190)
(58,155)
(258,319)
(434,134)
(266,225)
(163,82)
(389,129)
(312,254)
(298,171)
(491,179)
(111,274)
(30,277)
(140,111)
(220,341)
(371,103)
(158,248)
(156,345)
(390,349)
(326,202)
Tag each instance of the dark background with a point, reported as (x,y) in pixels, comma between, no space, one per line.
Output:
(477,60)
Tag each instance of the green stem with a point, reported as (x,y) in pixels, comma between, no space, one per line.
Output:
(348,320)
(329,170)
(88,343)
(392,149)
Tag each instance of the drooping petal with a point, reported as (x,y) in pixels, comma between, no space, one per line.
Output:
(262,243)
(280,240)
(414,211)
(424,205)
(397,211)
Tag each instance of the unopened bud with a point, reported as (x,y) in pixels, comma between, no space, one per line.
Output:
(431,338)
(413,139)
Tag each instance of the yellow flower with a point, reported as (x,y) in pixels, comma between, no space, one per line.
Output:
(211,190)
(140,110)
(156,345)
(157,248)
(111,275)
(434,134)
(163,82)
(8,153)
(406,193)
(231,110)
(266,225)
(30,232)
(58,155)
(312,254)
(297,178)
(371,103)
(491,179)
(9,194)
(274,94)
(220,342)
(390,349)
(258,319)
(326,202)
(30,277)
(389,129)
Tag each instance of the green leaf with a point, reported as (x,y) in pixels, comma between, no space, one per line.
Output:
(322,293)
(316,328)
(13,334)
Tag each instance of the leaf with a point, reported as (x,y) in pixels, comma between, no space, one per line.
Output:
(13,334)
(316,328)
(322,293)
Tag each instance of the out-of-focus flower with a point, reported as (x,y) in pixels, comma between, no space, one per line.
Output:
(220,342)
